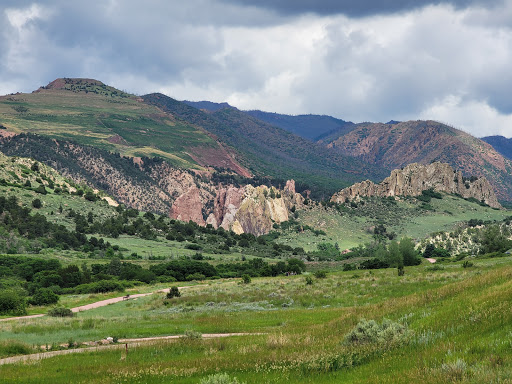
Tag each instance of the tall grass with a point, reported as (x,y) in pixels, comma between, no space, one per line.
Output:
(462,333)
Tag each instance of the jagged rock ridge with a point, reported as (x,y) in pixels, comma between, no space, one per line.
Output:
(156,186)
(415,178)
(244,209)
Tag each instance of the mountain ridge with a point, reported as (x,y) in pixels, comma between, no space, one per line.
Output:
(501,144)
(397,145)
(272,150)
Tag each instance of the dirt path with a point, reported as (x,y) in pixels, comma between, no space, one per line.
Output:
(123,344)
(102,303)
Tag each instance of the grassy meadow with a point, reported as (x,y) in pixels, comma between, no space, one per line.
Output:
(458,329)
(405,217)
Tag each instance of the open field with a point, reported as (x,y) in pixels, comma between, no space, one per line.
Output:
(405,218)
(458,321)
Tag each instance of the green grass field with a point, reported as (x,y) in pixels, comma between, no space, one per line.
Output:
(459,324)
(406,218)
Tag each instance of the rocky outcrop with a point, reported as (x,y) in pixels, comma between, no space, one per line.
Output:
(251,209)
(188,207)
(226,204)
(395,145)
(156,186)
(260,208)
(415,178)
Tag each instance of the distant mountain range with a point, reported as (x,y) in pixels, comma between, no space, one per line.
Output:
(501,144)
(312,127)
(323,154)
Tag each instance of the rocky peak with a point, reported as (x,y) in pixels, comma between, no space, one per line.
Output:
(415,178)
(251,209)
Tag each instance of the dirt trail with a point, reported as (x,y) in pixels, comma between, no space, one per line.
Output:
(123,344)
(102,303)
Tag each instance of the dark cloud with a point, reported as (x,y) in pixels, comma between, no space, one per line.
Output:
(355,8)
(282,56)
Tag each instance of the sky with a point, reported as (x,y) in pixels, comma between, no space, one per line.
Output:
(365,60)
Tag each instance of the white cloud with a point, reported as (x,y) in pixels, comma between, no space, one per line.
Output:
(475,117)
(405,65)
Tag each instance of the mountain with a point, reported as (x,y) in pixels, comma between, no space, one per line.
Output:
(397,145)
(207,105)
(152,184)
(415,178)
(142,183)
(311,127)
(501,144)
(272,151)
(92,113)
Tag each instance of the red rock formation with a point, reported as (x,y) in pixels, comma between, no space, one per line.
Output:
(188,207)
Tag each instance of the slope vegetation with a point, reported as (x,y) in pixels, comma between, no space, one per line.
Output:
(90,112)
(270,150)
(501,144)
(310,127)
(150,185)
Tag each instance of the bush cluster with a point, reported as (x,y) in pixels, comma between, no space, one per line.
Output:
(385,334)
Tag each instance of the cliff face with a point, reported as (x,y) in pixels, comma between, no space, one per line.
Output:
(253,209)
(415,178)
(156,186)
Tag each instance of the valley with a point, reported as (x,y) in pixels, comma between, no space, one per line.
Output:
(361,252)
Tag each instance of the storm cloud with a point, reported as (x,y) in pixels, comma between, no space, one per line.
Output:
(355,8)
(359,61)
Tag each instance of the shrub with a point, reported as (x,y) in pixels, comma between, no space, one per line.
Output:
(173,292)
(320,274)
(467,264)
(44,296)
(101,286)
(41,189)
(91,196)
(190,334)
(195,276)
(456,371)
(36,203)
(12,348)
(60,312)
(386,334)
(11,303)
(246,279)
(309,280)
(349,267)
(220,378)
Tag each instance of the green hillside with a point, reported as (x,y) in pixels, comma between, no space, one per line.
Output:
(350,225)
(269,150)
(89,112)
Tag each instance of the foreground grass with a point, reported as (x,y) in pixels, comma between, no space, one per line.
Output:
(461,321)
